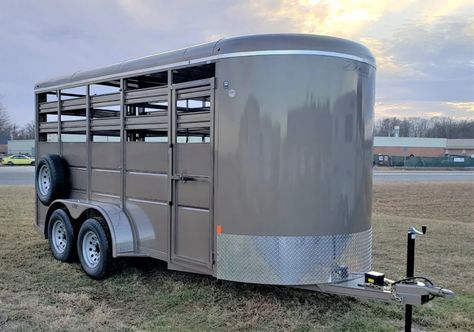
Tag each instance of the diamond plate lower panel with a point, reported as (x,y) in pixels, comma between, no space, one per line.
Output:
(292,260)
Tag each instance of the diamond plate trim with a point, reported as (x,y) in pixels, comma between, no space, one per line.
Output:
(292,260)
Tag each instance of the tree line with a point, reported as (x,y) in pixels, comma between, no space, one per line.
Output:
(439,127)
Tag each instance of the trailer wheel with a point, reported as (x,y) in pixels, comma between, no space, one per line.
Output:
(61,236)
(51,178)
(93,247)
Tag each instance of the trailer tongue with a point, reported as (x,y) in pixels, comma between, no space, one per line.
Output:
(410,291)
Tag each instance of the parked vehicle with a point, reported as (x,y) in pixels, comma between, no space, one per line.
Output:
(18,159)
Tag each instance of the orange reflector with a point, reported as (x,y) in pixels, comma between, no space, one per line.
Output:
(219,229)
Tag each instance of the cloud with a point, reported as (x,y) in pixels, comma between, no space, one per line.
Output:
(431,11)
(428,109)
(467,106)
(343,18)
(435,62)
(388,63)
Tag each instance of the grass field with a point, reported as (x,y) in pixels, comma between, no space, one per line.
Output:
(39,293)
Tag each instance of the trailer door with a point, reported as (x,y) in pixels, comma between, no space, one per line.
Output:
(192,174)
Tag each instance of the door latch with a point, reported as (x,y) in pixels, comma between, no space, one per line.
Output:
(183,178)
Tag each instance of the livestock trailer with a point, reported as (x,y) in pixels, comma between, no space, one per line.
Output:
(248,159)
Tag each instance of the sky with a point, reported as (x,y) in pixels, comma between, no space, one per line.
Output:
(424,49)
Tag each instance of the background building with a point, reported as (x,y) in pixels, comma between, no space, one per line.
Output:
(460,147)
(423,152)
(423,147)
(23,146)
(3,149)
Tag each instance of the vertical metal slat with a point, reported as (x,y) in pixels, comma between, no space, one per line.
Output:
(88,141)
(60,143)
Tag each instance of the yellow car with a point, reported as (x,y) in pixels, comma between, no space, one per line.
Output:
(18,160)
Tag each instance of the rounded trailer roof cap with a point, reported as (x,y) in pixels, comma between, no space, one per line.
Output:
(266,44)
(295,42)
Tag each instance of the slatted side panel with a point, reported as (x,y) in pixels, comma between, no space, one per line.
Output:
(147,194)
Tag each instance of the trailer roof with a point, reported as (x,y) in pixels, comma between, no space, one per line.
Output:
(267,44)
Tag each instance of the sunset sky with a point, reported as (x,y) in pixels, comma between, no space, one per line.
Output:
(424,49)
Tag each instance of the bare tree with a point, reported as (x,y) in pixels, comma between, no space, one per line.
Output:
(442,127)
(405,127)
(29,130)
(4,125)
(419,127)
(465,129)
(385,127)
(25,132)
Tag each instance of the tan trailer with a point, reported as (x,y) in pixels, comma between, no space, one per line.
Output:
(249,159)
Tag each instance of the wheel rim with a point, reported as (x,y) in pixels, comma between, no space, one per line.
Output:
(91,249)
(59,236)
(44,180)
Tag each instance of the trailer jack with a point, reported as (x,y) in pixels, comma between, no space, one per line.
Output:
(410,291)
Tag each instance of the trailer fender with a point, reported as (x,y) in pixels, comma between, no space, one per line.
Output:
(120,227)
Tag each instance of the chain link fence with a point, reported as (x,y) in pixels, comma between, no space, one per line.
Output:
(446,161)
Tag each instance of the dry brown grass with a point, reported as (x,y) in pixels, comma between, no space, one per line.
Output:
(437,201)
(29,301)
(39,293)
(448,211)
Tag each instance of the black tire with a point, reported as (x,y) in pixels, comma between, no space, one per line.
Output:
(101,244)
(32,163)
(62,243)
(58,177)
(10,163)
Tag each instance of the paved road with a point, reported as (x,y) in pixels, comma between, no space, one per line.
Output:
(24,175)
(423,176)
(17,175)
